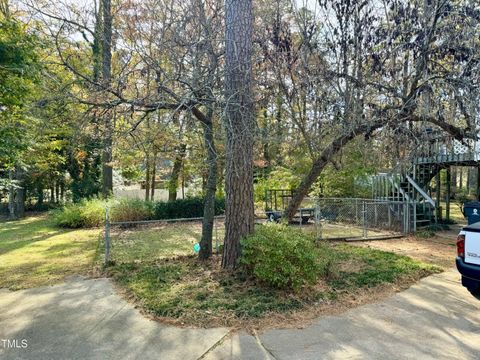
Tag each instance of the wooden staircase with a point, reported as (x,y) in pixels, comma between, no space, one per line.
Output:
(409,186)
(409,183)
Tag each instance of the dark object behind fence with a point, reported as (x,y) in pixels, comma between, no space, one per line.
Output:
(187,208)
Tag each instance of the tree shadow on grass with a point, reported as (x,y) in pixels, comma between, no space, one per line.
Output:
(12,245)
(34,252)
(17,234)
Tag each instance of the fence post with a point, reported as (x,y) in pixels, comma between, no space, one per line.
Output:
(364,211)
(301,213)
(406,207)
(389,215)
(107,236)
(414,220)
(318,224)
(356,211)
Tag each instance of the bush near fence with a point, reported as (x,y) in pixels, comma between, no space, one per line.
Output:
(131,210)
(91,213)
(85,214)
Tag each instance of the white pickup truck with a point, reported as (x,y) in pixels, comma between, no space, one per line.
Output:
(468,258)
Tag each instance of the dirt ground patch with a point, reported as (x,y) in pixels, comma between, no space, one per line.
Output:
(439,250)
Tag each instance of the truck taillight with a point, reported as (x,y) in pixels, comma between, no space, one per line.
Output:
(461,245)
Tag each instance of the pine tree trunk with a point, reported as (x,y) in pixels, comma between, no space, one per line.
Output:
(239,125)
(107,173)
(211,188)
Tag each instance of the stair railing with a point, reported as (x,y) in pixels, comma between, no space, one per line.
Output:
(420,191)
(399,188)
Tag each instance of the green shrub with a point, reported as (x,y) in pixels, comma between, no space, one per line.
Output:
(185,208)
(69,216)
(88,213)
(131,210)
(282,257)
(91,213)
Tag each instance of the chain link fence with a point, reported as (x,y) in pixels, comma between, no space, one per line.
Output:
(326,218)
(346,218)
(150,240)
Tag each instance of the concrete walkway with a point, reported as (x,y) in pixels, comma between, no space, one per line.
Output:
(86,319)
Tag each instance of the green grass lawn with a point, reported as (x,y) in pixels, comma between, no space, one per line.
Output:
(364,267)
(200,293)
(33,252)
(158,241)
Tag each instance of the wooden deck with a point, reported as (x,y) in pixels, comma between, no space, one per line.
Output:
(467,159)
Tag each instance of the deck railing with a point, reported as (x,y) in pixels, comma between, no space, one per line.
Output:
(444,149)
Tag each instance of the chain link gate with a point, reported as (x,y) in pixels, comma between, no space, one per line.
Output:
(350,218)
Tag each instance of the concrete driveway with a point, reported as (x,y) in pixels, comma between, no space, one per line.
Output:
(86,319)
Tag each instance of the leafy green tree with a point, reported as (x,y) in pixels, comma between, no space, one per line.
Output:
(19,71)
